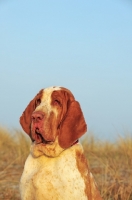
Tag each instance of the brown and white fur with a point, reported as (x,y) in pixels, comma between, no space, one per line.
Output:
(56,168)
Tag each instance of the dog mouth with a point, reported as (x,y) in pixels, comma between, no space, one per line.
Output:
(40,139)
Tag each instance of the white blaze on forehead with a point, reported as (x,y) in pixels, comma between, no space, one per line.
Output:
(49,90)
(45,104)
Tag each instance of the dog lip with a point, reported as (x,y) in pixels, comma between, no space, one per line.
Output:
(40,139)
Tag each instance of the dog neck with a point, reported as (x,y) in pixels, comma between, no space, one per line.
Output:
(49,150)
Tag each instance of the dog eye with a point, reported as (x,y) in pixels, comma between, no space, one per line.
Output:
(38,101)
(57,102)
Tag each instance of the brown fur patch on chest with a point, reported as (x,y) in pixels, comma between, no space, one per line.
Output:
(83,168)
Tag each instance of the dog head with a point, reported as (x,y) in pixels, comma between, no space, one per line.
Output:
(52,113)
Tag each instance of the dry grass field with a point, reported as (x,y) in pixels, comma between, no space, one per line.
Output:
(110,163)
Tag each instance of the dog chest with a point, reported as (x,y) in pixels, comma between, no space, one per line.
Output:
(52,178)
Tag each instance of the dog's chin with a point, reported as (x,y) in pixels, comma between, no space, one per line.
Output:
(39,139)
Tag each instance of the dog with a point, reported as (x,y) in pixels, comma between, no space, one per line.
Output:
(56,168)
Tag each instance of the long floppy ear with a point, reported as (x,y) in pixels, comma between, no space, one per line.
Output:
(73,126)
(25,119)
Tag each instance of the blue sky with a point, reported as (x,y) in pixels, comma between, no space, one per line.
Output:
(85,46)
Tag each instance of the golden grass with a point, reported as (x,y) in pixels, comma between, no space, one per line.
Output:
(14,148)
(110,163)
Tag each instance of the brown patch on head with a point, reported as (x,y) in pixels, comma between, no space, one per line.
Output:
(61,100)
(25,119)
(71,96)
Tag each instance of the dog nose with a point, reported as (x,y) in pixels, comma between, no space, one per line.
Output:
(37,116)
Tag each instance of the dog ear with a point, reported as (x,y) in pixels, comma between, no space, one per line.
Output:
(73,125)
(25,119)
